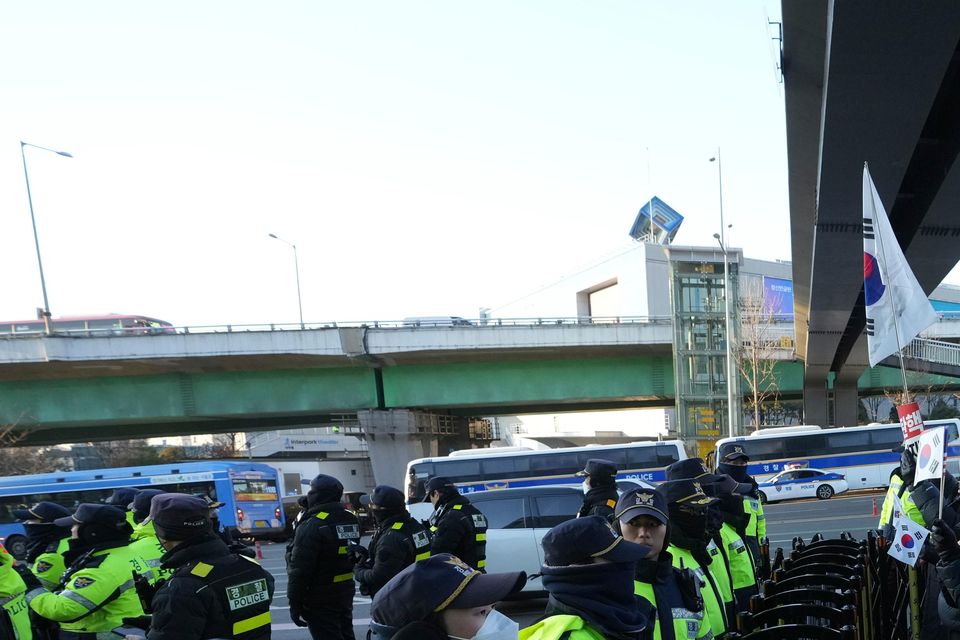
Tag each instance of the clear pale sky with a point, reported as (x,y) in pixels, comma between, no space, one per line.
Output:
(427,158)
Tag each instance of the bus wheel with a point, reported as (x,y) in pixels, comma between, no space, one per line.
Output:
(824,492)
(17,546)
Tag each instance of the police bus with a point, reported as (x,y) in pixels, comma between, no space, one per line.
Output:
(865,455)
(248,490)
(484,469)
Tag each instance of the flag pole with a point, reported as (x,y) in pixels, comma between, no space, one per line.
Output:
(893,303)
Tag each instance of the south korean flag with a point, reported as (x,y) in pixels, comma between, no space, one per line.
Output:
(908,536)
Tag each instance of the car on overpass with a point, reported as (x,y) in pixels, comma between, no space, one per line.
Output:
(803,483)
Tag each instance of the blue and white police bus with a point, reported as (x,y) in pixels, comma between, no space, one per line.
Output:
(485,469)
(864,455)
(248,490)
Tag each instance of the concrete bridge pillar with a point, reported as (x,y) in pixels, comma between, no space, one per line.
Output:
(846,401)
(815,399)
(397,436)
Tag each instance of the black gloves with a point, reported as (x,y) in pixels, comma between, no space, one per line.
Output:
(28,578)
(908,466)
(357,554)
(296,614)
(944,540)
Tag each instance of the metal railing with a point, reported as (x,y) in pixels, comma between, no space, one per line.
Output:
(451,324)
(936,351)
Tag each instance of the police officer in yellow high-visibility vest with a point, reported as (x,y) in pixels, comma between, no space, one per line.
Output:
(145,545)
(46,542)
(733,462)
(642,518)
(14,614)
(98,589)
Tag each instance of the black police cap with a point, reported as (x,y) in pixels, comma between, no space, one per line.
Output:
(46,512)
(326,483)
(734,452)
(642,502)
(121,497)
(686,493)
(580,540)
(179,516)
(691,469)
(384,498)
(141,501)
(599,467)
(94,514)
(439,483)
(440,582)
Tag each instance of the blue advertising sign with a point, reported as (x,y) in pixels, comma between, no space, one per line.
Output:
(778,295)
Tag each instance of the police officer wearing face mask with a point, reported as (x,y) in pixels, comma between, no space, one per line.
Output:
(121,499)
(399,540)
(687,507)
(212,592)
(320,568)
(599,488)
(46,542)
(443,598)
(96,591)
(145,545)
(642,519)
(696,469)
(457,526)
(733,462)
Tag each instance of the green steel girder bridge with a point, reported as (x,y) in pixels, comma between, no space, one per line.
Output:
(67,389)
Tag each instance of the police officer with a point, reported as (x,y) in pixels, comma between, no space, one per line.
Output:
(398,541)
(734,464)
(599,488)
(320,566)
(212,593)
(730,539)
(46,542)
(121,498)
(96,591)
(588,571)
(457,526)
(687,508)
(14,613)
(695,469)
(642,518)
(145,545)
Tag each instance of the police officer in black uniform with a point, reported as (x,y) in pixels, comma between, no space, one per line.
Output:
(212,593)
(320,566)
(599,488)
(457,526)
(399,540)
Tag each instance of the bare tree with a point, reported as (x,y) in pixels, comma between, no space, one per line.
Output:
(19,460)
(224,445)
(760,347)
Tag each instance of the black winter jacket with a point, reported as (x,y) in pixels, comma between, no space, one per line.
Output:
(183,609)
(399,541)
(599,501)
(317,559)
(459,529)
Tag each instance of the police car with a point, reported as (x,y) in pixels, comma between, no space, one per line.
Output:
(802,483)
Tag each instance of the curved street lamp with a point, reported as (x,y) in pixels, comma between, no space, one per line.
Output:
(33,221)
(296,264)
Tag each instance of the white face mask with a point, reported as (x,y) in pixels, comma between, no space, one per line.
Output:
(496,627)
(586,486)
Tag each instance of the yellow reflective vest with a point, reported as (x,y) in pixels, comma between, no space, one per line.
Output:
(96,597)
(49,565)
(709,590)
(687,625)
(12,597)
(910,508)
(554,627)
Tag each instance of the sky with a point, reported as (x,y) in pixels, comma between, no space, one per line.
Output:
(426,158)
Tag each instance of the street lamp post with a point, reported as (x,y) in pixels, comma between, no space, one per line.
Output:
(727,328)
(296,264)
(33,221)
(721,239)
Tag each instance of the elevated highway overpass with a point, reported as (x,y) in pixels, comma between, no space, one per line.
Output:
(878,83)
